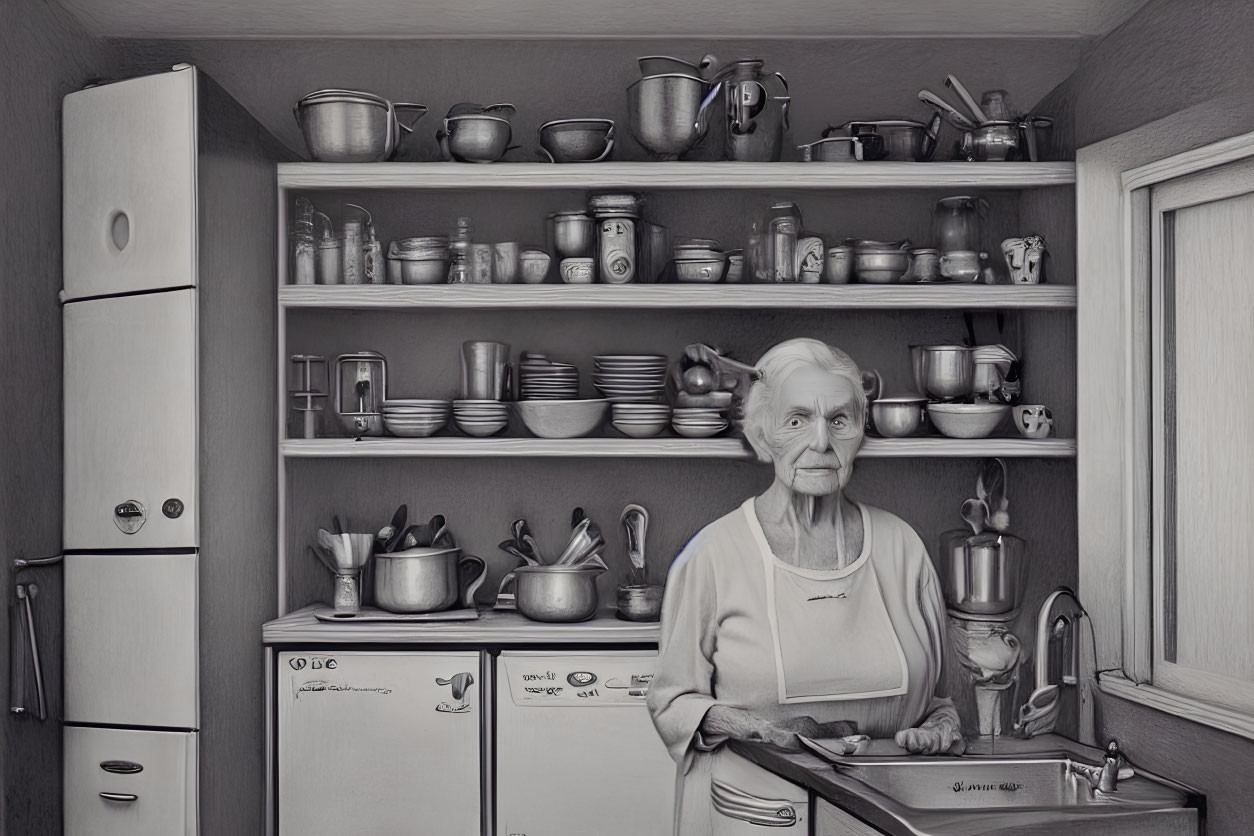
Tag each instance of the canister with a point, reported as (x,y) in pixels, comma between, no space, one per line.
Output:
(354,255)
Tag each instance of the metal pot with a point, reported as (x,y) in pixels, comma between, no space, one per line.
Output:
(843,149)
(755,111)
(904,140)
(946,371)
(554,593)
(985,574)
(664,111)
(899,417)
(640,602)
(475,138)
(427,579)
(350,126)
(991,142)
(665,64)
(577,140)
(574,234)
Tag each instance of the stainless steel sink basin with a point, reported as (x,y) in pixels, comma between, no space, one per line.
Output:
(995,783)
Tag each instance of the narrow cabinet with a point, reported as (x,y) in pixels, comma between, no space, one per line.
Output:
(379,742)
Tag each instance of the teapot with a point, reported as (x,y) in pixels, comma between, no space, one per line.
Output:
(755,116)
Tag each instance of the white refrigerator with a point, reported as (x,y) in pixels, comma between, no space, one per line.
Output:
(168,253)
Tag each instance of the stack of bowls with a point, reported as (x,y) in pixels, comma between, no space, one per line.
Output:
(480,418)
(418,260)
(415,417)
(698,422)
(699,260)
(641,420)
(542,379)
(630,378)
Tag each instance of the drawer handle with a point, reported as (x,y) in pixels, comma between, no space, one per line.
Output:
(122,767)
(124,797)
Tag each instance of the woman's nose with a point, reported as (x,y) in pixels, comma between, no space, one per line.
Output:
(821,440)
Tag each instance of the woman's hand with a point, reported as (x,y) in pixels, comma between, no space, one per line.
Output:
(932,740)
(738,724)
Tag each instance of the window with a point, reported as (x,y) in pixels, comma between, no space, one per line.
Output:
(1165,405)
(1202,434)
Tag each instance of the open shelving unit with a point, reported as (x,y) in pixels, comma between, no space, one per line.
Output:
(400,185)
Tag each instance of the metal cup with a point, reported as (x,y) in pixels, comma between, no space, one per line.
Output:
(485,371)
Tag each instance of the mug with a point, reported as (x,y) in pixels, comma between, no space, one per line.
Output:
(1024,257)
(1033,420)
(505,263)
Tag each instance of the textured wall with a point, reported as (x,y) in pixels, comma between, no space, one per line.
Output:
(831,81)
(1185,65)
(44,57)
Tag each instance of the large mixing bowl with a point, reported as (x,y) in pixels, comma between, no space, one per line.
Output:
(577,140)
(474,138)
(554,593)
(663,110)
(351,126)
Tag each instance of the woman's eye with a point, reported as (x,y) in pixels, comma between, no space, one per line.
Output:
(794,423)
(840,420)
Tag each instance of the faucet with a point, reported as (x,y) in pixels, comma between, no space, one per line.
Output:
(1105,778)
(1039,713)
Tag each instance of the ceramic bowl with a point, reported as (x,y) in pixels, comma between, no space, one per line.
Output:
(481,428)
(562,419)
(699,430)
(704,270)
(534,265)
(576,270)
(641,429)
(967,420)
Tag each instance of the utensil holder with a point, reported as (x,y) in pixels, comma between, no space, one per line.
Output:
(347,598)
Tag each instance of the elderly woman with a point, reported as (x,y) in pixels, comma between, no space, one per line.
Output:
(801,612)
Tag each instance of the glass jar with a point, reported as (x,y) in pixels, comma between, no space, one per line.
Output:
(958,223)
(783,226)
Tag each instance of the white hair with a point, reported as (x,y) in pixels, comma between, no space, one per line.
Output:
(776,365)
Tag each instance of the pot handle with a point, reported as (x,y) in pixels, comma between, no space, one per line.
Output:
(927,143)
(441,136)
(609,146)
(507,584)
(471,573)
(543,153)
(420,109)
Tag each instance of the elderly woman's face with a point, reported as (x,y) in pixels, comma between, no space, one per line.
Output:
(814,430)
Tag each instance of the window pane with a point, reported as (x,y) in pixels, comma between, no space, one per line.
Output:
(1209,383)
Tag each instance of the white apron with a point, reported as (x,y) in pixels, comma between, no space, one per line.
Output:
(813,615)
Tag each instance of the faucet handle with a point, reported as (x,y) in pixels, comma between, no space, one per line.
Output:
(1113,751)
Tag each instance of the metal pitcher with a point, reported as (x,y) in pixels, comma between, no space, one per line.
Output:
(755,115)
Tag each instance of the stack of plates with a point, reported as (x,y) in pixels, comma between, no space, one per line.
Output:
(480,418)
(698,422)
(539,378)
(630,378)
(414,417)
(641,420)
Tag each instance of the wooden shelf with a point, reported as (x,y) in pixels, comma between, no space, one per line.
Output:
(714,448)
(662,296)
(675,175)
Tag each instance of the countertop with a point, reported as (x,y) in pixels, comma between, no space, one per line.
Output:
(493,627)
(826,781)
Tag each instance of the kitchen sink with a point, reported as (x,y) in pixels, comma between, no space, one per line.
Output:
(994,783)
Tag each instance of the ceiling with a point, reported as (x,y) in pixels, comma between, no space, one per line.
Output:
(706,19)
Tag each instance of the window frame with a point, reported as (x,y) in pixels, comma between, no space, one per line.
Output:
(1115,479)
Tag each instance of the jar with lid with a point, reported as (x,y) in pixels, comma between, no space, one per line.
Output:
(372,270)
(304,253)
(617,245)
(783,227)
(958,223)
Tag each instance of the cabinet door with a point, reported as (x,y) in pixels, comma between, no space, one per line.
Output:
(830,820)
(130,422)
(130,640)
(129,183)
(120,782)
(379,743)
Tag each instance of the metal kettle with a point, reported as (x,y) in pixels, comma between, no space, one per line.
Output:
(756,116)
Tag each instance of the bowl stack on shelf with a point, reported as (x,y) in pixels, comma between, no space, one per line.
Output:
(641,420)
(415,417)
(630,378)
(540,378)
(480,418)
(698,422)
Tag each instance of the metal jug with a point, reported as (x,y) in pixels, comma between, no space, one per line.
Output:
(755,116)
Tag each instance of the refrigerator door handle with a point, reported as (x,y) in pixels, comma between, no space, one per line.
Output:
(122,797)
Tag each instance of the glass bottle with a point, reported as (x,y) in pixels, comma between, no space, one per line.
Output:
(459,271)
(782,230)
(303,250)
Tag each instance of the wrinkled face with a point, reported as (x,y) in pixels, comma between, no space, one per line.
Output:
(813,430)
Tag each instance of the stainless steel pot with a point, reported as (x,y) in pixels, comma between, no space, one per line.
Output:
(554,593)
(991,142)
(351,126)
(899,417)
(577,140)
(574,234)
(664,113)
(427,579)
(985,574)
(946,370)
(843,149)
(475,138)
(904,140)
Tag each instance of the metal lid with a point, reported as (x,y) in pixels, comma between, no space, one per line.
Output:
(886,123)
(333,94)
(573,123)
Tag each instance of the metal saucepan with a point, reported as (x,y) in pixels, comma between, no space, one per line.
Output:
(351,126)
(665,113)
(427,579)
(904,139)
(554,593)
(577,140)
(843,149)
(475,138)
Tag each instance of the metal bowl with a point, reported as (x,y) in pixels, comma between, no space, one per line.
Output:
(562,419)
(946,371)
(640,602)
(577,140)
(352,126)
(700,271)
(555,593)
(967,420)
(422,270)
(899,417)
(903,139)
(880,265)
(474,138)
(663,110)
(574,234)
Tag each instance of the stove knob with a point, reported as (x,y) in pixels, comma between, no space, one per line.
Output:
(581,679)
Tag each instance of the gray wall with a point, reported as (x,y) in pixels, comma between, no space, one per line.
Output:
(44,57)
(1187,64)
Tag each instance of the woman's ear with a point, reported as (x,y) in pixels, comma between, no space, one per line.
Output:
(757,440)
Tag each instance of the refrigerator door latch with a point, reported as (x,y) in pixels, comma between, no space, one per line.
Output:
(129,516)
